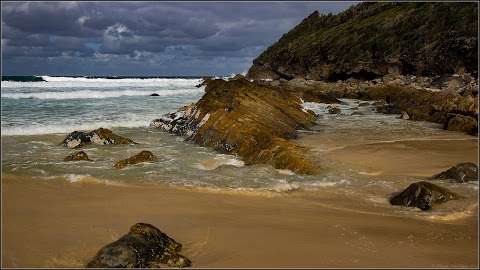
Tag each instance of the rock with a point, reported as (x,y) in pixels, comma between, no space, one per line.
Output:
(143,246)
(154,95)
(143,156)
(249,119)
(423,195)
(357,113)
(333,110)
(77,156)
(204,82)
(100,136)
(462,123)
(462,172)
(404,116)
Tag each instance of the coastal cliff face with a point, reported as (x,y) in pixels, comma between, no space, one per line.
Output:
(247,119)
(371,40)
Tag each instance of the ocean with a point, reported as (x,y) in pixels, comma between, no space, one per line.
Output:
(36,117)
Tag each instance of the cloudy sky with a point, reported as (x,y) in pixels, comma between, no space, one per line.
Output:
(144,38)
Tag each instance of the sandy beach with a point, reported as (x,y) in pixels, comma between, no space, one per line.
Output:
(65,223)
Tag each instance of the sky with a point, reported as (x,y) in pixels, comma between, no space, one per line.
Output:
(144,38)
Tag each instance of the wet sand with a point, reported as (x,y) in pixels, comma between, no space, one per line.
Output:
(60,224)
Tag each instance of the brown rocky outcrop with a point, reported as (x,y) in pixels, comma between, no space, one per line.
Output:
(144,156)
(247,119)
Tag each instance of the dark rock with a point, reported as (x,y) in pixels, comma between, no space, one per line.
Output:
(423,195)
(333,110)
(154,95)
(143,156)
(462,123)
(100,136)
(462,172)
(77,156)
(144,246)
(204,82)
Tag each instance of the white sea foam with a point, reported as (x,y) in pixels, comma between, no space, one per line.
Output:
(69,82)
(89,94)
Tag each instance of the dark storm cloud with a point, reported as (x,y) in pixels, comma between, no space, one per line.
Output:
(144,38)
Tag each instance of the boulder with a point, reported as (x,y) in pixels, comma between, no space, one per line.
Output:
(77,156)
(143,156)
(462,123)
(388,109)
(154,95)
(423,195)
(462,172)
(143,246)
(99,136)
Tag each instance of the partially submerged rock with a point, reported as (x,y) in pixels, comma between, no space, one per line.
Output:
(244,118)
(154,95)
(143,156)
(143,246)
(100,136)
(423,195)
(333,110)
(77,156)
(462,123)
(462,172)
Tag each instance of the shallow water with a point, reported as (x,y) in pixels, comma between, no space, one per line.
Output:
(37,116)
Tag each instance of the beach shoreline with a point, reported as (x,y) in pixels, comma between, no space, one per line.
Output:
(65,224)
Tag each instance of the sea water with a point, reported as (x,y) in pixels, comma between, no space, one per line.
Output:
(36,116)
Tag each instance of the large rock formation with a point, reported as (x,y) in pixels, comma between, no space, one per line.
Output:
(374,39)
(423,195)
(144,246)
(98,136)
(246,119)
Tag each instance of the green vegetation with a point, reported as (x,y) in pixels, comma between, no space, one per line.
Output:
(372,38)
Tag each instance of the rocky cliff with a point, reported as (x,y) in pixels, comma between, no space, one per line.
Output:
(371,40)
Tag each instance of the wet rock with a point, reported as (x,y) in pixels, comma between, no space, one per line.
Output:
(77,156)
(204,82)
(154,95)
(333,110)
(143,156)
(423,195)
(404,116)
(99,136)
(249,119)
(143,246)
(462,123)
(462,172)
(357,113)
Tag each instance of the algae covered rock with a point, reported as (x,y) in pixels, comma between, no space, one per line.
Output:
(462,172)
(333,110)
(423,195)
(77,156)
(100,136)
(462,123)
(143,246)
(144,156)
(247,119)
